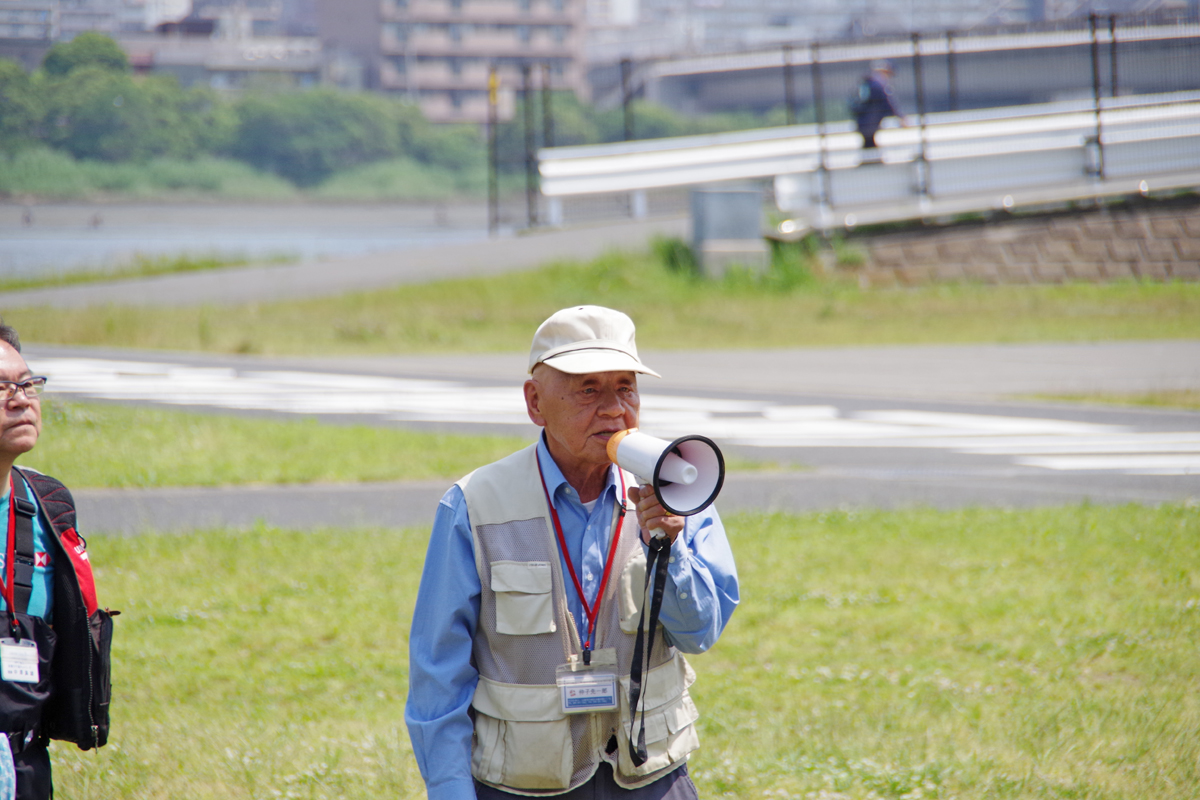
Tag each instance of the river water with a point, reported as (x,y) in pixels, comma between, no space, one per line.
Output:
(46,239)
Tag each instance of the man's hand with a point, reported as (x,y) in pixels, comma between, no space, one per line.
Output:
(651,515)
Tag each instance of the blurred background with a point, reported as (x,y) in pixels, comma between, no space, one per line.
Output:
(447,112)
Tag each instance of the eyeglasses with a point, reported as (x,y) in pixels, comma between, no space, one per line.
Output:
(32,387)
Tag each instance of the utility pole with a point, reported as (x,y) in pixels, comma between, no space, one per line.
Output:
(530,146)
(493,188)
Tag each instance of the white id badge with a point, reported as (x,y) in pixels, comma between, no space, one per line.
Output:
(19,660)
(584,689)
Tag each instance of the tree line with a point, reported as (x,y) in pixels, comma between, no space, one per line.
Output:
(86,101)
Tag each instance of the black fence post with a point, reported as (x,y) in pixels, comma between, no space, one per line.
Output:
(1098,165)
(919,83)
(789,85)
(951,71)
(819,113)
(530,144)
(547,111)
(493,117)
(627,97)
(1112,54)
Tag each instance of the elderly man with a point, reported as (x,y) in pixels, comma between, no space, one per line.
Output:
(535,579)
(54,649)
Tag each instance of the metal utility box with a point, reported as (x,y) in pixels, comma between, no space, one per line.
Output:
(727,227)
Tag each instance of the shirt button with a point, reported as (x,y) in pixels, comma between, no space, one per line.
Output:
(671,560)
(683,595)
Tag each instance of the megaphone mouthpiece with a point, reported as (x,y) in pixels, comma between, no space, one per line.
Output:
(687,473)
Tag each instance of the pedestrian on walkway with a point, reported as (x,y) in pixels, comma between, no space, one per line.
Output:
(875,101)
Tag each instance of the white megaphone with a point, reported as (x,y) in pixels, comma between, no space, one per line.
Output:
(686,474)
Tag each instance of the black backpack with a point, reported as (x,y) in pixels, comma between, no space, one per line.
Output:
(77,710)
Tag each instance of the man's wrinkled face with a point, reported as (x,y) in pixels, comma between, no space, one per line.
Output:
(21,417)
(581,412)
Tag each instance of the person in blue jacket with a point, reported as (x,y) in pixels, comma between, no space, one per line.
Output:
(875,102)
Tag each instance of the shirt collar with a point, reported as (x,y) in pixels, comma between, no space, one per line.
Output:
(554,477)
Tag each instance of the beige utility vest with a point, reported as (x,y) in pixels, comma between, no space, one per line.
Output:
(524,743)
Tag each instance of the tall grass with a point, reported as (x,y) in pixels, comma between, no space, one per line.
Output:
(140,267)
(52,174)
(402,179)
(973,655)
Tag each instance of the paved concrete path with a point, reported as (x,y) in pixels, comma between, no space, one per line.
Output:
(956,379)
(265,283)
(412,503)
(937,372)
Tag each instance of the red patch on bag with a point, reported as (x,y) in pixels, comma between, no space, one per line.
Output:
(77,552)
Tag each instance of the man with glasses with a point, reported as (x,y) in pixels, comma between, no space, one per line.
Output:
(54,640)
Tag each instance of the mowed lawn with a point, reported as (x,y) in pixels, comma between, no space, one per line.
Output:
(917,654)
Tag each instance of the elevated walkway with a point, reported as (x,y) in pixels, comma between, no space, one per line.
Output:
(945,164)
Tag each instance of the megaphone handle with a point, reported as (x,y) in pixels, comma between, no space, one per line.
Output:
(655,533)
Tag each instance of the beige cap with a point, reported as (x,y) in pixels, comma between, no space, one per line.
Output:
(587,339)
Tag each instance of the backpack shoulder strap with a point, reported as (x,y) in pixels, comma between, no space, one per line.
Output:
(23,557)
(56,498)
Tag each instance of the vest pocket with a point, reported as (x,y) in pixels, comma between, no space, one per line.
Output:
(631,592)
(522,738)
(524,605)
(522,755)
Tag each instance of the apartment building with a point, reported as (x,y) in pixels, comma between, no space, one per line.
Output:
(439,52)
(27,29)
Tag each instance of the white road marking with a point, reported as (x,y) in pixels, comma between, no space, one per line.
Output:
(1188,464)
(1043,443)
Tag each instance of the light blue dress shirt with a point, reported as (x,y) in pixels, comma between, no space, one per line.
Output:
(701,594)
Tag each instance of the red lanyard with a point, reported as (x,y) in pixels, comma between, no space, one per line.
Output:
(6,583)
(591,611)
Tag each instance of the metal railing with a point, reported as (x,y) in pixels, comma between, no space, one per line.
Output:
(1101,141)
(951,163)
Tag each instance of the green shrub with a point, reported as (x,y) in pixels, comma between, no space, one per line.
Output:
(308,136)
(675,254)
(42,172)
(20,107)
(400,178)
(111,116)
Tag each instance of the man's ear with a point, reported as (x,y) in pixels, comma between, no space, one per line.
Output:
(533,403)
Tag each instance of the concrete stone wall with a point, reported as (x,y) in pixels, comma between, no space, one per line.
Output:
(1150,241)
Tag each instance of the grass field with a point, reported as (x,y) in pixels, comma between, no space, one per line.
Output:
(671,308)
(975,654)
